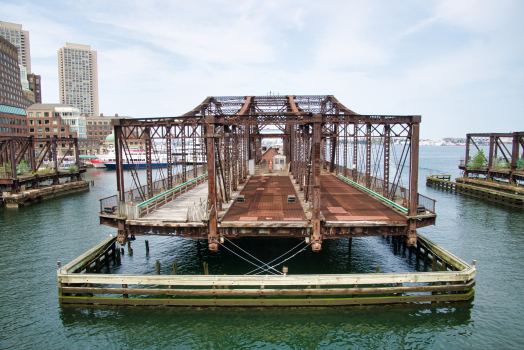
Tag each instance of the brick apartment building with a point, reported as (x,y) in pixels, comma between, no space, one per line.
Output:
(47,120)
(100,127)
(13,120)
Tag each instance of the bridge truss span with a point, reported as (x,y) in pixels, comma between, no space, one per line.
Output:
(376,156)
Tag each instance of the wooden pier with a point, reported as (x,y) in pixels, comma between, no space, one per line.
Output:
(25,177)
(21,198)
(493,192)
(450,279)
(496,177)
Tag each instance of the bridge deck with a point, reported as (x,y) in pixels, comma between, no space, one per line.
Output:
(341,202)
(266,205)
(266,200)
(176,211)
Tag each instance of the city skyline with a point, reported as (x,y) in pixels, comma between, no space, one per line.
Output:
(456,64)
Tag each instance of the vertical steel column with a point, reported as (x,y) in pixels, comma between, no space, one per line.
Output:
(468,140)
(323,151)
(169,154)
(227,162)
(241,158)
(235,158)
(491,146)
(300,156)
(368,155)
(55,158)
(32,158)
(119,165)
(286,143)
(77,152)
(149,167)
(337,153)
(292,150)
(387,144)
(355,151)
(514,157)
(54,155)
(211,183)
(315,218)
(296,160)
(333,149)
(12,159)
(345,148)
(184,156)
(195,167)
(247,157)
(413,182)
(413,170)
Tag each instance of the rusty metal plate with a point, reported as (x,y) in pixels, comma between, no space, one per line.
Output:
(266,200)
(357,205)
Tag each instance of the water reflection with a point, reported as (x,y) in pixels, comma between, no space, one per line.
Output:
(394,326)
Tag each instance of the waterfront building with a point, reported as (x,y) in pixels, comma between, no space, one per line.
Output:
(78,78)
(13,33)
(47,120)
(100,127)
(13,120)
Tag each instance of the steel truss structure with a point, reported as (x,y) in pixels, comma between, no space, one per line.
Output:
(18,150)
(502,161)
(319,134)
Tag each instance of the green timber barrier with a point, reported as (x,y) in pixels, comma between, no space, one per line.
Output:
(375,194)
(171,190)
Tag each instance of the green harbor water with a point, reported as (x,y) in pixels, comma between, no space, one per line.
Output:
(35,237)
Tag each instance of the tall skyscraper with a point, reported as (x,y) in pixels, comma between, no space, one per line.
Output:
(78,78)
(20,39)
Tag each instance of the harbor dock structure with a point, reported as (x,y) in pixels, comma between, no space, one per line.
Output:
(27,176)
(504,161)
(342,176)
(483,189)
(447,278)
(495,176)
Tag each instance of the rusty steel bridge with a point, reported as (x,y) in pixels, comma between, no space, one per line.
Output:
(346,174)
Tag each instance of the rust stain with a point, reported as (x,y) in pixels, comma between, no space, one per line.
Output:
(265,203)
(338,210)
(248,218)
(357,205)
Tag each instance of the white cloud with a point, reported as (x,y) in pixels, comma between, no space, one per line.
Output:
(446,60)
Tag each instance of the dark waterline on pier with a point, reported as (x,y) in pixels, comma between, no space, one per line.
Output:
(35,237)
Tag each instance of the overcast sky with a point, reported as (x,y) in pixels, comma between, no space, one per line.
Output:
(459,64)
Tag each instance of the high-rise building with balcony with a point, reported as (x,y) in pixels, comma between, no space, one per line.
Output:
(20,39)
(78,78)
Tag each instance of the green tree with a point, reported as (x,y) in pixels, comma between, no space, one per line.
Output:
(479,159)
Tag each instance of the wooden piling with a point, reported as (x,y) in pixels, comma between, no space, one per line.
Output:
(147,247)
(175,267)
(158,267)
